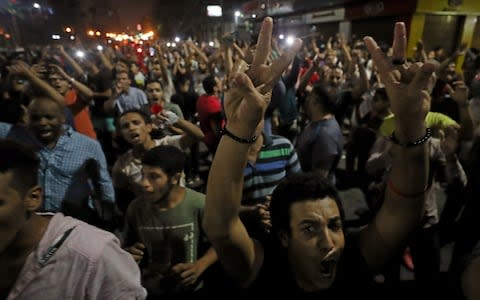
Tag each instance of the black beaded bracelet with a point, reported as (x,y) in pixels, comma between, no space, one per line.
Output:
(251,140)
(422,140)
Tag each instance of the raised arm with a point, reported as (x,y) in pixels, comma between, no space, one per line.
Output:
(244,106)
(21,68)
(76,67)
(402,210)
(84,90)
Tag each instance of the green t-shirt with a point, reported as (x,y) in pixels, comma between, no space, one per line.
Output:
(432,120)
(170,237)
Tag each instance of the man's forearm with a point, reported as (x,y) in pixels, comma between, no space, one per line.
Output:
(190,129)
(223,204)
(76,67)
(46,88)
(409,171)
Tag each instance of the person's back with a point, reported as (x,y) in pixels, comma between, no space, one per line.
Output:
(57,257)
(80,268)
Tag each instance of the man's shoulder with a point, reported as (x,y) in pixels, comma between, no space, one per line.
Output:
(278,140)
(194,197)
(85,241)
(81,138)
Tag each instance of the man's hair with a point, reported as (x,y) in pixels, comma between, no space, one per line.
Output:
(209,84)
(43,98)
(145,116)
(322,97)
(299,188)
(153,80)
(123,72)
(22,161)
(169,158)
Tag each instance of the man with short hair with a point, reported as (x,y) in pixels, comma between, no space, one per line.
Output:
(320,144)
(54,257)
(77,98)
(209,109)
(135,127)
(125,97)
(164,227)
(307,253)
(64,156)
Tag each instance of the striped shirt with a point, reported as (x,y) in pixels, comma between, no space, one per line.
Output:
(276,160)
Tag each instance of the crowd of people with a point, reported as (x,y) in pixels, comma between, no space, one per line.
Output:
(205,170)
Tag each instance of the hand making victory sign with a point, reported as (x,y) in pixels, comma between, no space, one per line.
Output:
(248,99)
(406,85)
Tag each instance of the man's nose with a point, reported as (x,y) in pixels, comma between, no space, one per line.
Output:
(325,242)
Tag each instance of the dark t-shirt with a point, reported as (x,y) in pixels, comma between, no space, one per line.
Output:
(187,103)
(99,82)
(353,275)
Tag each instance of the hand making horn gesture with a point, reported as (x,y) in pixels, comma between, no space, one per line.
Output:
(248,99)
(406,86)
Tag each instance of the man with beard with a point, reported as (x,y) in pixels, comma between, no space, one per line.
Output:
(308,252)
(164,228)
(64,159)
(135,127)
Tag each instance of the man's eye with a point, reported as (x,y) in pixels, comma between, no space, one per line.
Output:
(308,229)
(336,226)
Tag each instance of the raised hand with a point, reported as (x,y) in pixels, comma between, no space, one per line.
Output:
(19,68)
(247,101)
(406,85)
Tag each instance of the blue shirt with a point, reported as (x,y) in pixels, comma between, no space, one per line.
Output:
(135,99)
(63,173)
(320,146)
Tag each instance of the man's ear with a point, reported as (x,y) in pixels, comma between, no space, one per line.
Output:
(33,198)
(149,127)
(175,180)
(283,237)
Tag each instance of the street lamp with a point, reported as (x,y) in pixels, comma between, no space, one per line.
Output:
(177,39)
(237,13)
(68,29)
(36,5)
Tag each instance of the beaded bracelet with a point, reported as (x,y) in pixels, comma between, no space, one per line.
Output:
(422,140)
(251,140)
